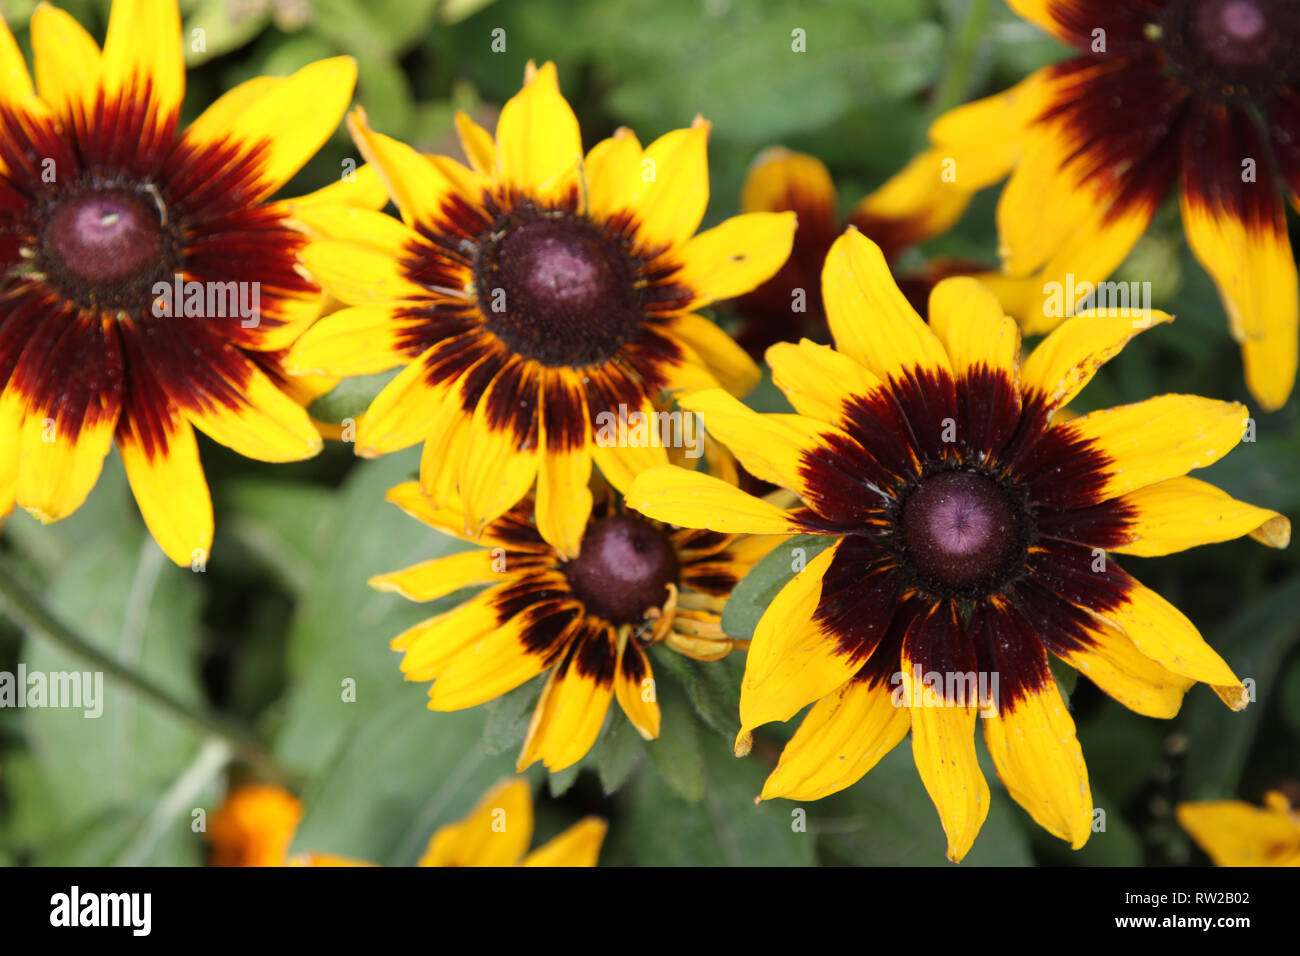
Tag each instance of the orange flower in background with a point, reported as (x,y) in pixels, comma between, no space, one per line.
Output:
(254,826)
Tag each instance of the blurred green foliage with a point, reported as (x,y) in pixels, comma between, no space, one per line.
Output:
(282,618)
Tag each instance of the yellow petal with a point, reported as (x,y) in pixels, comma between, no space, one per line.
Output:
(291,122)
(405,411)
(1255,271)
(563,502)
(418,185)
(1234,833)
(1112,661)
(1034,746)
(817,379)
(267,425)
(500,466)
(791,660)
(573,706)
(430,645)
(613,175)
(1184,512)
(430,580)
(695,500)
(58,465)
(15,81)
(356,341)
(721,356)
(925,198)
(477,143)
(538,142)
(673,202)
(969,321)
(634,686)
(357,275)
(67,61)
(144,45)
(844,735)
(1162,437)
(870,318)
(579,845)
(491,666)
(496,832)
(171,491)
(1065,361)
(943,746)
(735,257)
(1161,632)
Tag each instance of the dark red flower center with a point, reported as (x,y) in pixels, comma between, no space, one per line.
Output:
(1233,48)
(557,288)
(959,530)
(105,247)
(623,569)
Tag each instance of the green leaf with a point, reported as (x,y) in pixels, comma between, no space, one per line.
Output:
(1066,677)
(617,752)
(509,716)
(226,25)
(350,397)
(402,772)
(676,754)
(755,592)
(126,598)
(713,688)
(656,827)
(342,627)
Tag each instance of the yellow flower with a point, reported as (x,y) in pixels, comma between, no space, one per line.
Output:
(1160,92)
(970,534)
(531,299)
(586,619)
(1234,833)
(148,286)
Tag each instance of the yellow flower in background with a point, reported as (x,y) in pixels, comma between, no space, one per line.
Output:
(148,284)
(256,823)
(532,299)
(1235,833)
(1162,92)
(586,619)
(969,535)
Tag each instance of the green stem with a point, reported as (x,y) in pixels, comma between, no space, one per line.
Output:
(961,63)
(30,613)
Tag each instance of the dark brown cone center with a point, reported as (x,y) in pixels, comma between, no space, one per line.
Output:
(103,239)
(959,529)
(558,290)
(623,569)
(1235,34)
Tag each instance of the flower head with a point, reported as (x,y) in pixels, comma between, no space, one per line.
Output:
(588,620)
(253,826)
(146,285)
(1160,91)
(971,534)
(531,298)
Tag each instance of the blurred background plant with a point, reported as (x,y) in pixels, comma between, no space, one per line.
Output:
(281,636)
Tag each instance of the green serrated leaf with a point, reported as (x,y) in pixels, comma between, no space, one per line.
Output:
(713,688)
(755,592)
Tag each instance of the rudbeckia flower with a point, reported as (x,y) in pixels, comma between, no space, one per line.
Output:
(969,536)
(1162,91)
(531,298)
(1235,833)
(588,619)
(904,211)
(143,277)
